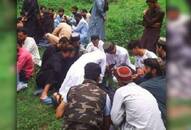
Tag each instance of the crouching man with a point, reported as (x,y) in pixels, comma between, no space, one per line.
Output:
(88,106)
(134,108)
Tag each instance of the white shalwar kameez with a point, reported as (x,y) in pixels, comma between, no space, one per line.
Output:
(135,108)
(75,74)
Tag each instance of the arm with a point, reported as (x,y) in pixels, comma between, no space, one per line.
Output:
(153,20)
(118,110)
(60,110)
(78,27)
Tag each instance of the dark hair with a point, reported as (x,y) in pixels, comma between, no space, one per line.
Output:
(67,48)
(63,40)
(51,9)
(19,42)
(75,7)
(78,15)
(162,45)
(42,6)
(19,19)
(153,64)
(23,30)
(61,10)
(84,10)
(133,44)
(94,37)
(92,71)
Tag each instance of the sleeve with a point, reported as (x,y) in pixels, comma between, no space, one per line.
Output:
(103,67)
(118,109)
(78,27)
(29,46)
(107,108)
(89,48)
(100,7)
(151,21)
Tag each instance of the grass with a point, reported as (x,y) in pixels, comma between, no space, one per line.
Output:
(123,25)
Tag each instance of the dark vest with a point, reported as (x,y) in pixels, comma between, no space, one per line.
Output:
(86,104)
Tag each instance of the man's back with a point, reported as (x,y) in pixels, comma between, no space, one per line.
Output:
(63,29)
(86,105)
(138,107)
(75,74)
(157,86)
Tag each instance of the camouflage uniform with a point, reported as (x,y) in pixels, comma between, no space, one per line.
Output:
(85,109)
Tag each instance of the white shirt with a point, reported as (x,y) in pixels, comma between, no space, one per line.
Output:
(121,57)
(90,47)
(30,45)
(75,74)
(135,108)
(139,60)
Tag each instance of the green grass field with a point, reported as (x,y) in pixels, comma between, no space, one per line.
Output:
(123,25)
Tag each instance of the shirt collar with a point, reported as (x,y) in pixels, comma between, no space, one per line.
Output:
(89,81)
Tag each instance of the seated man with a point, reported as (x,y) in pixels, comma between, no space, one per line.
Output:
(156,85)
(81,28)
(59,17)
(75,74)
(95,44)
(87,106)
(134,108)
(29,45)
(53,72)
(51,50)
(161,49)
(140,55)
(62,30)
(86,15)
(20,23)
(25,66)
(71,19)
(116,56)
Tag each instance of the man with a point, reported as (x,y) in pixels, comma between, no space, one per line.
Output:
(116,55)
(20,23)
(75,74)
(88,106)
(97,20)
(71,20)
(86,15)
(25,66)
(95,44)
(54,71)
(161,49)
(81,28)
(30,12)
(156,84)
(134,108)
(52,49)
(152,20)
(62,30)
(29,45)
(75,41)
(59,18)
(140,53)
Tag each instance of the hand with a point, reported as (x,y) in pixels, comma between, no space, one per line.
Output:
(145,11)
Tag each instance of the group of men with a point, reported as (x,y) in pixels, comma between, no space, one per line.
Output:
(74,73)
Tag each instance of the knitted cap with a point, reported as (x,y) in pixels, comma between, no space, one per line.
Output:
(123,73)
